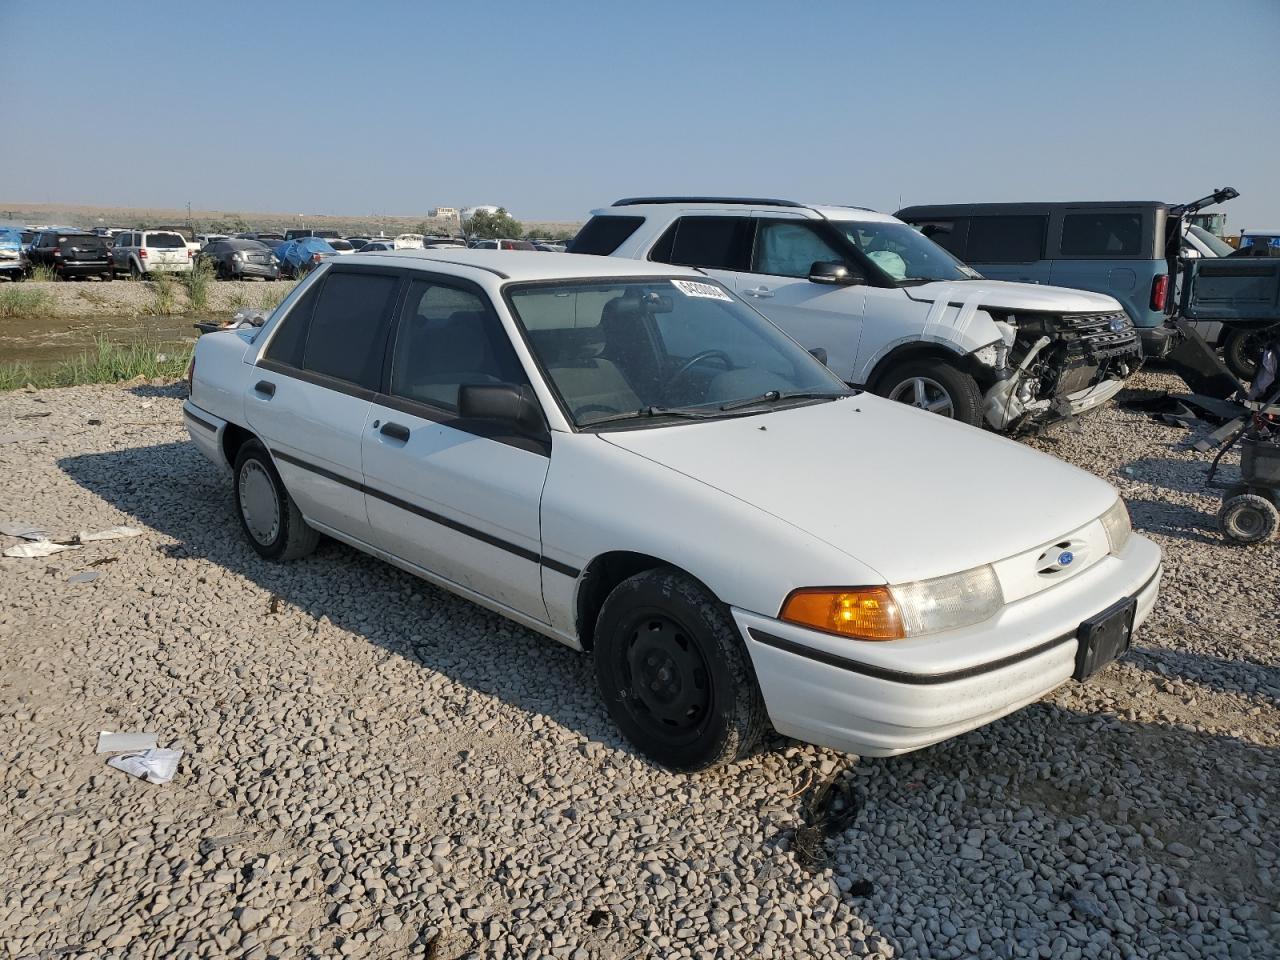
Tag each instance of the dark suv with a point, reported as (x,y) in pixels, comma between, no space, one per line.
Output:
(71,254)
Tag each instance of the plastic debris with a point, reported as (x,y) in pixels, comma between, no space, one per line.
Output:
(109,742)
(26,531)
(40,548)
(155,765)
(112,533)
(84,576)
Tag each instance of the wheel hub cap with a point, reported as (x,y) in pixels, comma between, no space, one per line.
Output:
(258,502)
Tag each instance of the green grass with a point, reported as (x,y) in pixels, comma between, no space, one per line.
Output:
(106,363)
(23,301)
(273,294)
(197,283)
(42,273)
(164,296)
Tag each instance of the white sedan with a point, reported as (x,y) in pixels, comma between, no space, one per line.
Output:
(625,457)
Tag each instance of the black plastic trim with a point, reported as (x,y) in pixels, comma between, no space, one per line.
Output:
(470,531)
(199,421)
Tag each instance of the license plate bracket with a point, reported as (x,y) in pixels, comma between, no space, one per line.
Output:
(1104,637)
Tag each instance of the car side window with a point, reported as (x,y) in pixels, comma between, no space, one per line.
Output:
(1102,234)
(789,248)
(449,337)
(348,330)
(1012,239)
(719,243)
(290,335)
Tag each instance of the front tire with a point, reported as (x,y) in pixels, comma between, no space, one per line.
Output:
(271,521)
(934,385)
(674,673)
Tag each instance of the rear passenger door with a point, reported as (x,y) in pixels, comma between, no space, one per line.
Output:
(1008,247)
(458,498)
(1109,251)
(309,400)
(719,245)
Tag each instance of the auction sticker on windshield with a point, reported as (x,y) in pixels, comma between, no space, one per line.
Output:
(708,291)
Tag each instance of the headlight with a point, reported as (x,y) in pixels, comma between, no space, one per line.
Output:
(1116,522)
(904,610)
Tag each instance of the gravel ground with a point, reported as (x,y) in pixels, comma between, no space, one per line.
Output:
(375,768)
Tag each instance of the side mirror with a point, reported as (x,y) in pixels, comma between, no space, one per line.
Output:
(509,403)
(819,354)
(832,273)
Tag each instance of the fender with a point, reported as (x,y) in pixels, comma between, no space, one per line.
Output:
(950,328)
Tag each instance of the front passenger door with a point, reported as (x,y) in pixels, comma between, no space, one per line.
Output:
(455,497)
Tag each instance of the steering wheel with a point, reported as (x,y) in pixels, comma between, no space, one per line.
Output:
(696,359)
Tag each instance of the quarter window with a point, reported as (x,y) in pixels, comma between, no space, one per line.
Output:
(290,336)
(1017,239)
(449,337)
(1102,235)
(720,243)
(789,248)
(348,328)
(603,235)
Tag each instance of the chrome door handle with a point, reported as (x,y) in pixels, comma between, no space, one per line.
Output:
(762,292)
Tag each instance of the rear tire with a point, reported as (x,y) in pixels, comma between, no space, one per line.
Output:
(674,673)
(271,521)
(136,272)
(1240,353)
(935,385)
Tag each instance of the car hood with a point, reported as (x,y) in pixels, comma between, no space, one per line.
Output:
(1006,295)
(911,494)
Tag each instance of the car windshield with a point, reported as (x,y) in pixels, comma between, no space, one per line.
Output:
(617,350)
(902,252)
(1219,247)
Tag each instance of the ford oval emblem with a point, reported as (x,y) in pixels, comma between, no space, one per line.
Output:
(1065,558)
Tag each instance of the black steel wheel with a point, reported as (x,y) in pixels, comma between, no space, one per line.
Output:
(1248,518)
(674,673)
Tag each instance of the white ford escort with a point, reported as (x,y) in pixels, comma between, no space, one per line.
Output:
(625,457)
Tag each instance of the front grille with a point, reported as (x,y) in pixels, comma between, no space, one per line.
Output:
(1093,334)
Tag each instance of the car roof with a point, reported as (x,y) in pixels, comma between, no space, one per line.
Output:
(656,205)
(927,210)
(523,265)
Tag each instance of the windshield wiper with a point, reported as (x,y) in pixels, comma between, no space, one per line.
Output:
(773,396)
(688,413)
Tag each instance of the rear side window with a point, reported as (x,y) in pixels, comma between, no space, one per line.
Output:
(165,241)
(290,337)
(603,235)
(1102,235)
(721,243)
(1016,239)
(950,235)
(348,328)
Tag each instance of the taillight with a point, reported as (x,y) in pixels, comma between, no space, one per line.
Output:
(1159,292)
(188,253)
(316,258)
(57,251)
(142,252)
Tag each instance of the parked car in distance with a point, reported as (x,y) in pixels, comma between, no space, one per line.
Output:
(301,256)
(140,253)
(408,241)
(374,246)
(888,309)
(322,234)
(13,258)
(234,259)
(342,247)
(490,421)
(204,239)
(270,239)
(70,254)
(443,243)
(1241,342)
(1115,248)
(502,245)
(1255,243)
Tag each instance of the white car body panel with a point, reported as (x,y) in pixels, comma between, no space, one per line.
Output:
(858,491)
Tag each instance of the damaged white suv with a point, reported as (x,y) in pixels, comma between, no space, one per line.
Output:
(888,309)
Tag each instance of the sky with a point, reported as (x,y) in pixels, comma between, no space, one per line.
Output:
(552,109)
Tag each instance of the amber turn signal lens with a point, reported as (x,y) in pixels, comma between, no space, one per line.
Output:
(864,613)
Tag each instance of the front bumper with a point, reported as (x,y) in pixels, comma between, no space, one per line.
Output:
(882,699)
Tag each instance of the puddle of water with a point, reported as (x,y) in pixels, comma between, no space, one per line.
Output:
(46,341)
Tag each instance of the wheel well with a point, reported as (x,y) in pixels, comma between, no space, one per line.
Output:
(921,351)
(600,577)
(233,438)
